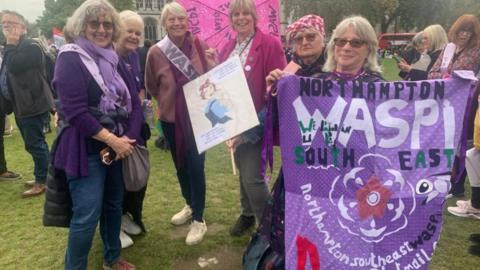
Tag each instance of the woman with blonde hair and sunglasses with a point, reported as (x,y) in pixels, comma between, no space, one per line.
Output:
(351,52)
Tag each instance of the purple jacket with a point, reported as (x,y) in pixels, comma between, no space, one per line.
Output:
(75,88)
(265,55)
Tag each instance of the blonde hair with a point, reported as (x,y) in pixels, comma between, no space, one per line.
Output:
(173,8)
(365,31)
(128,15)
(90,9)
(241,5)
(437,37)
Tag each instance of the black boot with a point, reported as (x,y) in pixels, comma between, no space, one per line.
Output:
(242,225)
(474,250)
(475,238)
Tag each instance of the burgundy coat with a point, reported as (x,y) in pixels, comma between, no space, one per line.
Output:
(265,55)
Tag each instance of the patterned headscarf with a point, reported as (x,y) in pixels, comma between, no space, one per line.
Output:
(308,21)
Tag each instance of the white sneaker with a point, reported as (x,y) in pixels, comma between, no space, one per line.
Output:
(196,233)
(465,209)
(129,226)
(462,203)
(183,216)
(125,239)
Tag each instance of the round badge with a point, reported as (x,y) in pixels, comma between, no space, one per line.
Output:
(248,67)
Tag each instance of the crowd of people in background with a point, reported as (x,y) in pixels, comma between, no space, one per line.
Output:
(101,90)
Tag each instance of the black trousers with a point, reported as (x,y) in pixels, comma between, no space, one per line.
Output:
(3,163)
(191,173)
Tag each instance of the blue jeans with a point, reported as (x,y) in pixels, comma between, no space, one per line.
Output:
(31,129)
(95,197)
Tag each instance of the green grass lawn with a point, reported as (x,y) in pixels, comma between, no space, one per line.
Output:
(26,244)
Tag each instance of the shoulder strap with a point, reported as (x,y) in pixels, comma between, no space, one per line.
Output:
(177,58)
(201,53)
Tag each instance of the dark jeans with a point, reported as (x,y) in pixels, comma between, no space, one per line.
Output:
(3,162)
(191,175)
(96,197)
(31,129)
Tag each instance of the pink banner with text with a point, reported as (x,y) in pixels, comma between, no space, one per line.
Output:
(209,19)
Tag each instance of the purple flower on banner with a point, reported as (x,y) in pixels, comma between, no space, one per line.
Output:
(373,198)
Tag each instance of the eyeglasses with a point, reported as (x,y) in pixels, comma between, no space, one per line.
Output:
(309,37)
(465,32)
(355,43)
(7,23)
(107,26)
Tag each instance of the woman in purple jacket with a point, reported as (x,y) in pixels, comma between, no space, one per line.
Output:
(100,112)
(259,53)
(129,69)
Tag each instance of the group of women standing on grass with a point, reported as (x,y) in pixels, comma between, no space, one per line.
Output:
(98,83)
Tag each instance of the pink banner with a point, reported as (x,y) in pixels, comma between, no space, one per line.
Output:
(209,19)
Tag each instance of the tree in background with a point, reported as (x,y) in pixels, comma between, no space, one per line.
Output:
(399,15)
(57,11)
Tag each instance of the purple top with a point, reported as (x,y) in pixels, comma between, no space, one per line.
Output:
(129,70)
(132,63)
(76,90)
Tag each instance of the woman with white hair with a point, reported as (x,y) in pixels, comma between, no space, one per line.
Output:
(131,34)
(103,117)
(307,35)
(434,40)
(412,52)
(164,79)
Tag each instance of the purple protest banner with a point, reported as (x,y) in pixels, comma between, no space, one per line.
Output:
(209,19)
(367,169)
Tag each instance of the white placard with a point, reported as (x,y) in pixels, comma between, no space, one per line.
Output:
(219,104)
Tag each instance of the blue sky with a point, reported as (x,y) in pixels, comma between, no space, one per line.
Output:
(30,9)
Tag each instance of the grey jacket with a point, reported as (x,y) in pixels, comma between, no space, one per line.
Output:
(29,91)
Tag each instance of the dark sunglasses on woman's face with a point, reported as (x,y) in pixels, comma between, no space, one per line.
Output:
(309,37)
(96,24)
(355,43)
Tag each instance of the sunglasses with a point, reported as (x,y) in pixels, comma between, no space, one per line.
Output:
(107,26)
(309,37)
(355,43)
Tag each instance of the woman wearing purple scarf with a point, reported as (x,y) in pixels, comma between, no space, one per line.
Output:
(99,112)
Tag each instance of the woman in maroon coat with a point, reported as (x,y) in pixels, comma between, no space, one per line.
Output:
(259,54)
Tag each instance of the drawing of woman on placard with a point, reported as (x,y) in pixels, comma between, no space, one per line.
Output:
(218,104)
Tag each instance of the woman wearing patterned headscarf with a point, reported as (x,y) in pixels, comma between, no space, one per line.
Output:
(307,35)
